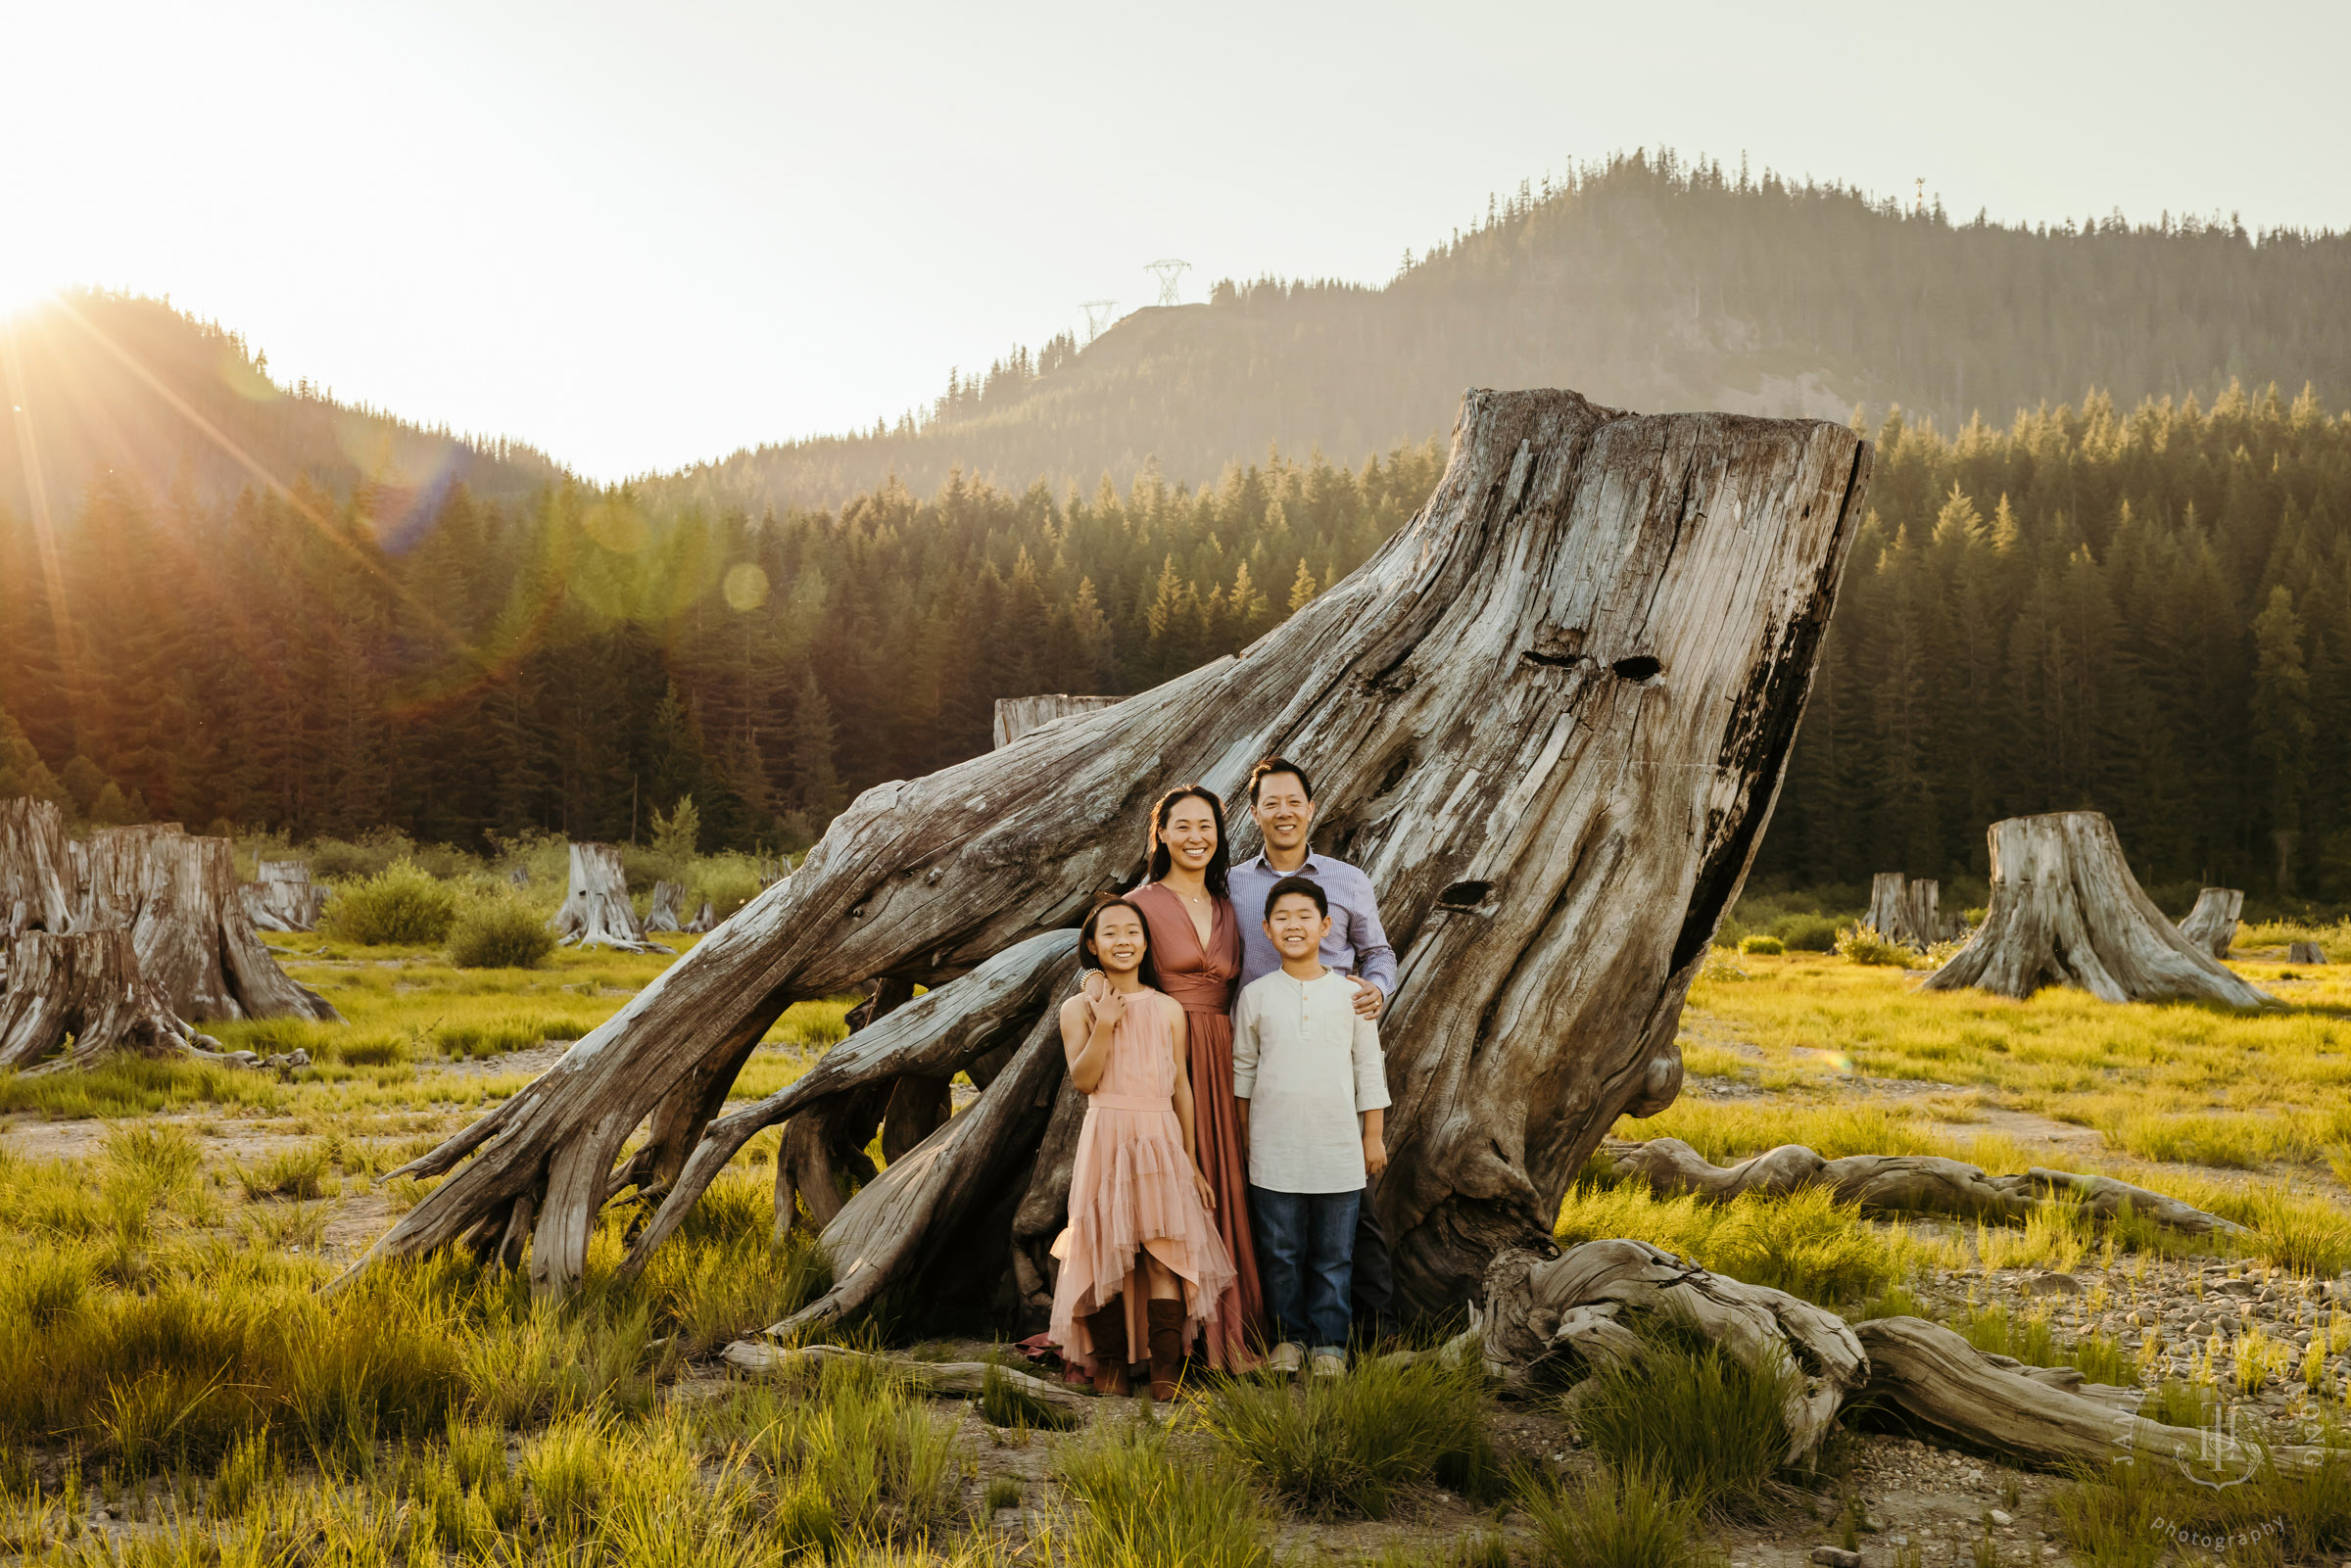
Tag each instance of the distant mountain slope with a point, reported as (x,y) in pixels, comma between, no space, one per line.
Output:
(1644,283)
(109,382)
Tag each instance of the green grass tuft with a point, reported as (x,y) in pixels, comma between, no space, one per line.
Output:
(1699,1420)
(1613,1517)
(500,932)
(1346,1445)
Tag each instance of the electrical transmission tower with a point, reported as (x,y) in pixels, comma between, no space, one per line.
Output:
(1099,314)
(1168,273)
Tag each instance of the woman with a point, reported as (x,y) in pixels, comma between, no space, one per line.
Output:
(1141,1263)
(1196,945)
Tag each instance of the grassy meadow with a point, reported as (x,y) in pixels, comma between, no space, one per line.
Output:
(180,1391)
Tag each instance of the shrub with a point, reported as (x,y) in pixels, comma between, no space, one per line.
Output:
(1806,934)
(1862,945)
(1759,943)
(402,905)
(1348,1444)
(1704,1424)
(500,932)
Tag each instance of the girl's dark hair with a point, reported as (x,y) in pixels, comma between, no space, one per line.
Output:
(1087,958)
(1220,865)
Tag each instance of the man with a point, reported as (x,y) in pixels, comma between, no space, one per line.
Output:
(1282,799)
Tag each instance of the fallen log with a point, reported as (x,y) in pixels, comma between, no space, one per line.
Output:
(1548,717)
(1017,716)
(2066,911)
(282,897)
(2212,924)
(1900,1184)
(597,912)
(963,1380)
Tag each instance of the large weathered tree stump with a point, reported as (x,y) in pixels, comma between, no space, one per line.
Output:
(1017,716)
(2211,926)
(597,912)
(85,988)
(1549,717)
(178,896)
(282,897)
(2066,911)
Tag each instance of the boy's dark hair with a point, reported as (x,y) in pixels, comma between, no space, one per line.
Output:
(1299,884)
(1273,765)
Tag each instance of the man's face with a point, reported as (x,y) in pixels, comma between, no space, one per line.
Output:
(1295,926)
(1283,813)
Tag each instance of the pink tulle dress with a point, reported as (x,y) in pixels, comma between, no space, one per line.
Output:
(1130,1190)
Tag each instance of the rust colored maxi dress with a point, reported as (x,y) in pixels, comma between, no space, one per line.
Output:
(1202,979)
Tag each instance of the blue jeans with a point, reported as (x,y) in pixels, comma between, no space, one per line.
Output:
(1306,1261)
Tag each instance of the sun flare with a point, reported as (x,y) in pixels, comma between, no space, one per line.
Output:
(21,290)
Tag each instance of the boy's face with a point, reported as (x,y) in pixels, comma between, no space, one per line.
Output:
(1295,926)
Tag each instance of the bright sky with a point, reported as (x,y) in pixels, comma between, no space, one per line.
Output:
(640,235)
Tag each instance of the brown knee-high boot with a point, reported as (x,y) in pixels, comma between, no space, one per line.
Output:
(1108,1328)
(1167,1347)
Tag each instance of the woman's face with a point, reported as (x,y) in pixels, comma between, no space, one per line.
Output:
(1190,833)
(1118,940)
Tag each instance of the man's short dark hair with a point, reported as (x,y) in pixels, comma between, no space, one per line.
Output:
(1273,765)
(1299,884)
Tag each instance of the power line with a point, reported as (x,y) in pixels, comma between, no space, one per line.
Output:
(1168,272)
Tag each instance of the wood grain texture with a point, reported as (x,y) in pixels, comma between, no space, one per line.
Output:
(1549,717)
(2211,927)
(282,897)
(2066,911)
(1017,716)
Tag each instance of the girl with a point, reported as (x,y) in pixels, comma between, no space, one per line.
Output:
(1141,1263)
(1196,949)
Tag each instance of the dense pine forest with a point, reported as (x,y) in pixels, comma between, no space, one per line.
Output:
(1645,282)
(2144,611)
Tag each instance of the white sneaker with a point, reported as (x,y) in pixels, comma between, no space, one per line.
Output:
(1329,1363)
(1286,1359)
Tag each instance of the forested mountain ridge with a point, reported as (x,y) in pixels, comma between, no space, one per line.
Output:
(1644,283)
(117,383)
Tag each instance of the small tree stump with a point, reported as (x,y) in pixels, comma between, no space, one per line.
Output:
(2211,923)
(282,897)
(2066,911)
(703,924)
(596,911)
(2305,953)
(85,986)
(1922,908)
(1017,716)
(663,916)
(1906,912)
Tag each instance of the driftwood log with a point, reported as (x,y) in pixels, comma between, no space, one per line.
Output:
(83,991)
(1549,717)
(2066,911)
(1564,1317)
(2212,924)
(1017,716)
(942,1379)
(663,916)
(1924,1184)
(282,897)
(597,912)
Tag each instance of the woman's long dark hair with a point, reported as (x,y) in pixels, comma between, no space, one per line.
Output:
(1218,876)
(1087,958)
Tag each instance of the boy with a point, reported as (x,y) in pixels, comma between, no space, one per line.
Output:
(1312,1092)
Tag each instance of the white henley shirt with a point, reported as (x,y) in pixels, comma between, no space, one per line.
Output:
(1307,1064)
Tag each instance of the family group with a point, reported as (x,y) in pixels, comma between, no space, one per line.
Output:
(1227,1037)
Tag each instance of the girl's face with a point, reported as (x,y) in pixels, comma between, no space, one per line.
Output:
(1118,940)
(1190,833)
